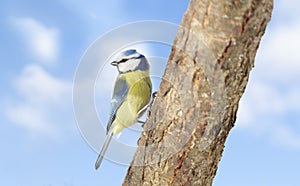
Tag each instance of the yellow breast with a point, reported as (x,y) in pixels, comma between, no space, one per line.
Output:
(139,94)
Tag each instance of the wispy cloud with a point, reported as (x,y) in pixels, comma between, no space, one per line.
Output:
(38,86)
(287,10)
(270,105)
(41,98)
(31,117)
(279,54)
(43,41)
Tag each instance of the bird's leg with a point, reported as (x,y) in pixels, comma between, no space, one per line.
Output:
(141,122)
(153,97)
(147,107)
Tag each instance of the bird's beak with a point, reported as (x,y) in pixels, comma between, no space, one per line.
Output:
(114,63)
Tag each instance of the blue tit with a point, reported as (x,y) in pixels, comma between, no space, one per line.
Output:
(132,93)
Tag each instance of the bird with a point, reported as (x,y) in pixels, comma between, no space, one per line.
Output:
(131,95)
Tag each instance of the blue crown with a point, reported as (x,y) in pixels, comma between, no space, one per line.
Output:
(128,52)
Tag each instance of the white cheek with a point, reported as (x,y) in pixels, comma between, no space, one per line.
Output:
(129,65)
(122,67)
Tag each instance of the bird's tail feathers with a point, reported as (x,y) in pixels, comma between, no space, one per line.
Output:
(104,149)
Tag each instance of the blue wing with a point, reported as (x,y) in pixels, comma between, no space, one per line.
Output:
(120,93)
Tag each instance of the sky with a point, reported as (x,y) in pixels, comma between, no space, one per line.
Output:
(44,44)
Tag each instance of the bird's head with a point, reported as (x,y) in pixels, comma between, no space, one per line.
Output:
(131,60)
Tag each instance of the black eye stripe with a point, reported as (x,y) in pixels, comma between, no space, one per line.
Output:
(124,59)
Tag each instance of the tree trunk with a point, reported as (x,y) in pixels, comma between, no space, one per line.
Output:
(197,101)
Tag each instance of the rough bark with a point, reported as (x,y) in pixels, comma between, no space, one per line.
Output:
(197,101)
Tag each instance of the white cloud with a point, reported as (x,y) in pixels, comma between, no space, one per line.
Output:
(287,9)
(271,112)
(42,99)
(39,86)
(42,41)
(270,106)
(32,118)
(261,99)
(279,53)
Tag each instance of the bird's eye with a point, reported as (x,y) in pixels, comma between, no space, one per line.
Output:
(123,60)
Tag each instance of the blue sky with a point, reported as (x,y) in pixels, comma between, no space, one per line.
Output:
(41,46)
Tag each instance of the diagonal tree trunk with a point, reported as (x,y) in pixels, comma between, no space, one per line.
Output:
(197,102)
